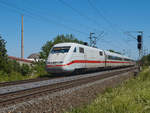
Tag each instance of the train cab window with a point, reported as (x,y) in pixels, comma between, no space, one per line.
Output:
(101,53)
(75,50)
(63,49)
(81,50)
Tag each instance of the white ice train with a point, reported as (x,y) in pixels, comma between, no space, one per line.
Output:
(71,57)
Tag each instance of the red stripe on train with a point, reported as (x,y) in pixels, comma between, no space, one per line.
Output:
(86,61)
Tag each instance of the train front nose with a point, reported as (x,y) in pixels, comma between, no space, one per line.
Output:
(55,67)
(56,59)
(55,63)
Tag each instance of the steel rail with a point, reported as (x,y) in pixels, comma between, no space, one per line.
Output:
(3,84)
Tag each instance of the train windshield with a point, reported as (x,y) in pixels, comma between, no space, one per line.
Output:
(63,49)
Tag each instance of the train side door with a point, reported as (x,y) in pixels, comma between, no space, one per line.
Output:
(82,57)
(105,58)
(85,57)
(75,57)
(102,58)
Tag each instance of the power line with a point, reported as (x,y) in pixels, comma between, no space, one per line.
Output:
(102,16)
(67,20)
(79,13)
(41,17)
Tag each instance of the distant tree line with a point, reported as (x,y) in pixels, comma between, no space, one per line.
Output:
(114,51)
(145,60)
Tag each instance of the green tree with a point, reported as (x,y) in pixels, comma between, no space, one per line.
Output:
(3,55)
(45,49)
(25,69)
(58,39)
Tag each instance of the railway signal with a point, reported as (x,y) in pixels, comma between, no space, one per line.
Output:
(139,46)
(139,38)
(140,43)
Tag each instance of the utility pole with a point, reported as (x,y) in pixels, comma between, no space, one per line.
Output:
(22,46)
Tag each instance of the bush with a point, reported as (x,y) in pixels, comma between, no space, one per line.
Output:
(11,70)
(39,68)
(25,69)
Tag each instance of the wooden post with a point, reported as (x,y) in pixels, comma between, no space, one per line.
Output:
(22,46)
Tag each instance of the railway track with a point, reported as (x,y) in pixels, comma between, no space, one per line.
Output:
(24,95)
(3,84)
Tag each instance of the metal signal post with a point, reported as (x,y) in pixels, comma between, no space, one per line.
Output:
(91,39)
(140,43)
(94,39)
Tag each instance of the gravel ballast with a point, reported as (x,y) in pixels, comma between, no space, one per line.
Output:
(66,99)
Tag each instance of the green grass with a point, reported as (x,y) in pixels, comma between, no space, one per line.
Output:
(15,76)
(132,96)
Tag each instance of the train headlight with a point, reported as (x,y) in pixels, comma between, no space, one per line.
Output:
(58,62)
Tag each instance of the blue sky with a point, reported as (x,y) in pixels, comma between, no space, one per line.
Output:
(45,19)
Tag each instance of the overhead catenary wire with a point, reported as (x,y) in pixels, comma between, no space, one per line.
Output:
(100,14)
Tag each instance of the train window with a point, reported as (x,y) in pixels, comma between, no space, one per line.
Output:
(110,57)
(114,58)
(126,59)
(101,53)
(63,49)
(81,50)
(75,50)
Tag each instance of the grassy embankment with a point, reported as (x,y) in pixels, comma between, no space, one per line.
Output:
(29,73)
(132,96)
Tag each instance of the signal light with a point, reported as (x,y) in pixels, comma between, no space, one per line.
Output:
(139,38)
(139,45)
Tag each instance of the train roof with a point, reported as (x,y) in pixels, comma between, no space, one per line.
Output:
(75,44)
(65,44)
(113,54)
